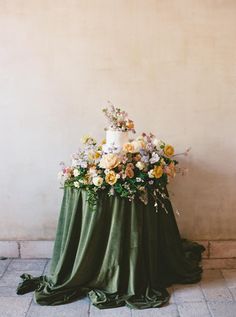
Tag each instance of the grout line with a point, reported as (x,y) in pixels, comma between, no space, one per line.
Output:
(29,307)
(226,285)
(206,301)
(177,307)
(6,268)
(44,269)
(89,307)
(207,304)
(45,265)
(19,249)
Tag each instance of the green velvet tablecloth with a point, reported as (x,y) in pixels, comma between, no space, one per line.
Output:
(120,253)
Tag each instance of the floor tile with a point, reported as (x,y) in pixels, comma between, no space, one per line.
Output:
(12,278)
(165,311)
(111,312)
(78,308)
(233,292)
(3,266)
(214,287)
(188,293)
(223,309)
(27,265)
(194,310)
(47,268)
(14,306)
(10,291)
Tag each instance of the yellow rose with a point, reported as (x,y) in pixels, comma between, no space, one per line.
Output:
(111,178)
(169,150)
(109,161)
(128,147)
(157,171)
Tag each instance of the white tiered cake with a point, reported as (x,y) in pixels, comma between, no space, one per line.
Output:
(115,140)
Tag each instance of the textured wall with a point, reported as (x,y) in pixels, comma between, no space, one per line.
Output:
(170,63)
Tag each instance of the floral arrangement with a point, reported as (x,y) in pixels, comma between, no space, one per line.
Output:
(118,119)
(143,167)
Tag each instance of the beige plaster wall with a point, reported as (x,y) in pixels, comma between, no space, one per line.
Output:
(170,63)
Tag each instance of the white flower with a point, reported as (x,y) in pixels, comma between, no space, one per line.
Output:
(140,165)
(76,172)
(111,192)
(150,174)
(155,158)
(157,142)
(97,181)
(77,184)
(138,179)
(92,172)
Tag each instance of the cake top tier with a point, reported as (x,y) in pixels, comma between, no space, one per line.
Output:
(118,119)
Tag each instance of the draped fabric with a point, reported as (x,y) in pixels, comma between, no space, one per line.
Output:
(118,253)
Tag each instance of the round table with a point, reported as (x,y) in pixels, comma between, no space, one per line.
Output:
(118,253)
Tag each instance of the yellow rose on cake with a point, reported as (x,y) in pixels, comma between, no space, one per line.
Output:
(109,161)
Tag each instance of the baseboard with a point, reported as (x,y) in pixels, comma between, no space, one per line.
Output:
(31,249)
(219,254)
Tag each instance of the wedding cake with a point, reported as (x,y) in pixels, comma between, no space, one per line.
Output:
(118,132)
(115,140)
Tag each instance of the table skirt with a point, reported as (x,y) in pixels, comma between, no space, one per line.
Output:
(118,253)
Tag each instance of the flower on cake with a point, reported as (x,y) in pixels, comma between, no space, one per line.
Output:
(118,119)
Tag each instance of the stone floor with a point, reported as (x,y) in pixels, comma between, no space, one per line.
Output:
(214,296)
